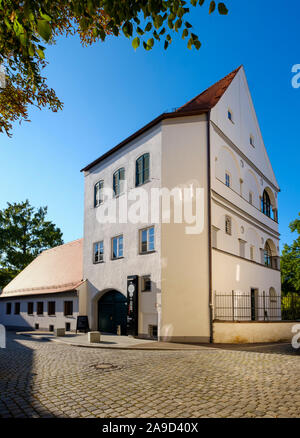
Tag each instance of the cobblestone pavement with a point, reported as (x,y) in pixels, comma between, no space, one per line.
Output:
(46,379)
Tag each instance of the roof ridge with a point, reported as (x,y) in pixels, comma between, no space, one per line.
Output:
(64,244)
(230,75)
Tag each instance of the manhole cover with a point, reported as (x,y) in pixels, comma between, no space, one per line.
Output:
(105,366)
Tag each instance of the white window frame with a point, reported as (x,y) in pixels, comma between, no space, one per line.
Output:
(150,240)
(120,247)
(98,196)
(98,257)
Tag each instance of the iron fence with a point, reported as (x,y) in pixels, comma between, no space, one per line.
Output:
(239,306)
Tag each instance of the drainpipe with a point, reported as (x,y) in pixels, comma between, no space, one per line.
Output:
(209,231)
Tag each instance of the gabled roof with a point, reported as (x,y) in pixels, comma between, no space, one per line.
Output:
(211,96)
(202,103)
(59,269)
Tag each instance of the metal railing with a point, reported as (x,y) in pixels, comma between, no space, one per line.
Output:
(239,306)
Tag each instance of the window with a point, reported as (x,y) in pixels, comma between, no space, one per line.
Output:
(40,308)
(117,247)
(30,308)
(118,181)
(228,225)
(142,169)
(242,248)
(51,308)
(146,283)
(147,240)
(251,139)
(68,308)
(98,252)
(268,255)
(8,308)
(17,308)
(68,327)
(230,115)
(98,193)
(250,198)
(227,179)
(266,204)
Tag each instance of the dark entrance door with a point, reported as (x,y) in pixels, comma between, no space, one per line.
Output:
(112,312)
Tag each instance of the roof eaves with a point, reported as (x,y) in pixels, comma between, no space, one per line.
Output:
(141,131)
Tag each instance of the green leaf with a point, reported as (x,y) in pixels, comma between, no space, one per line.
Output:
(212,7)
(184,33)
(41,53)
(222,9)
(150,42)
(197,44)
(148,27)
(187,25)
(194,2)
(44,29)
(31,49)
(166,45)
(135,43)
(201,2)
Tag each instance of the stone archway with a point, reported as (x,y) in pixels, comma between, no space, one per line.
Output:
(112,312)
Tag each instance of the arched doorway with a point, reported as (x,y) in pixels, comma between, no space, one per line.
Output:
(112,312)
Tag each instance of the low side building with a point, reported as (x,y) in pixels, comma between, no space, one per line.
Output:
(45,295)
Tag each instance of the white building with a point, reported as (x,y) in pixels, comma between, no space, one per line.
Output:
(212,143)
(45,294)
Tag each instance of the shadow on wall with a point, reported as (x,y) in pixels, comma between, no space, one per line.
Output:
(17,379)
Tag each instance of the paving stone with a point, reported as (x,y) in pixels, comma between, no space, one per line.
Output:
(39,379)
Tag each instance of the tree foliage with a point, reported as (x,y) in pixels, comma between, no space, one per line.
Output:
(290,262)
(24,234)
(27,26)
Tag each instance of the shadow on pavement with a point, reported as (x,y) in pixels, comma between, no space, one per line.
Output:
(17,379)
(274,348)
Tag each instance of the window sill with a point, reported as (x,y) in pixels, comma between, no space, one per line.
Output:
(142,184)
(147,252)
(117,258)
(98,263)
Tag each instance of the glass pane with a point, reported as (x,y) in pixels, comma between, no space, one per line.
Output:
(146,169)
(151,239)
(115,248)
(121,246)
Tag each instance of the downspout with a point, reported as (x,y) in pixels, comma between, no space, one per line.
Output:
(209,231)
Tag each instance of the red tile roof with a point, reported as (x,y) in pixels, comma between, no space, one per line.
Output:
(199,105)
(59,269)
(211,96)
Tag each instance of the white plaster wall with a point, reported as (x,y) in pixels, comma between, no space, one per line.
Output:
(250,170)
(233,273)
(29,321)
(185,284)
(112,274)
(237,98)
(242,228)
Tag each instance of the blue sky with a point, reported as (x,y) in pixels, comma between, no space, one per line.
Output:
(109,91)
